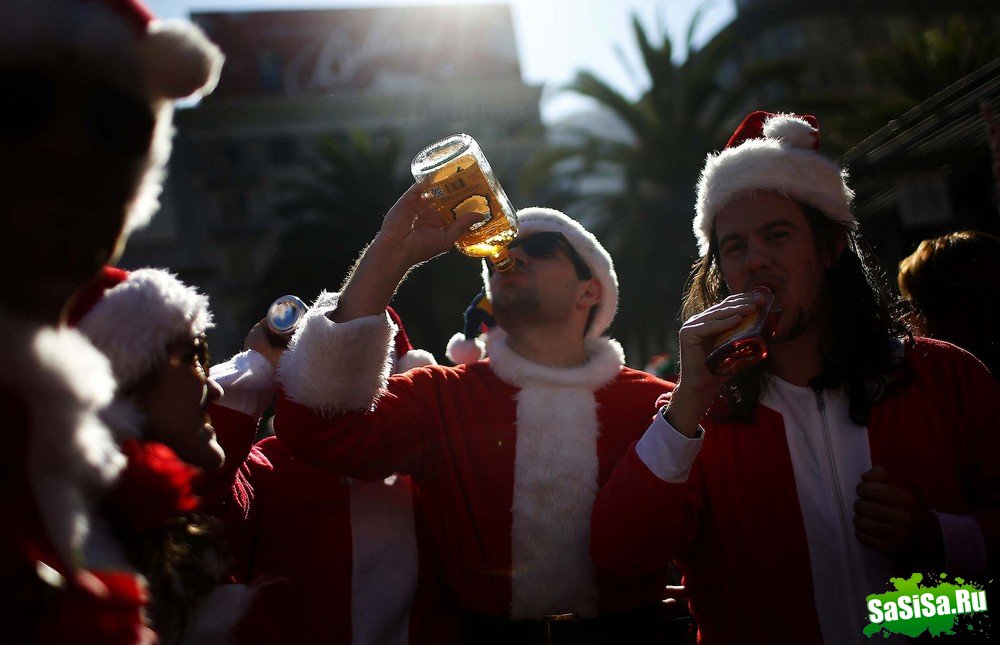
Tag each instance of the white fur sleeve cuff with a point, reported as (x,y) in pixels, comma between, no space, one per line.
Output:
(247,381)
(337,366)
(667,453)
(964,545)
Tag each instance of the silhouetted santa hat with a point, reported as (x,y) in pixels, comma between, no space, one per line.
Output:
(404,356)
(772,152)
(134,317)
(121,43)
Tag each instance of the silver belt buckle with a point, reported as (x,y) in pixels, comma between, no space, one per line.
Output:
(549,619)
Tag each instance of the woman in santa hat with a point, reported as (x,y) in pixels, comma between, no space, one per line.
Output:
(151,326)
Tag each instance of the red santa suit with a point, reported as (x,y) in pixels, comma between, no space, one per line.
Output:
(349,547)
(67,574)
(157,488)
(760,514)
(507,456)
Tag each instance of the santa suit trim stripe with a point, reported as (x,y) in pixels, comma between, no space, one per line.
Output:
(555,482)
(385,565)
(555,478)
(384,561)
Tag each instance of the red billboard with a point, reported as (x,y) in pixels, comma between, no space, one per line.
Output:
(310,52)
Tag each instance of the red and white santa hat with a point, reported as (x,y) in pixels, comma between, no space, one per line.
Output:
(119,42)
(465,347)
(404,356)
(772,152)
(134,317)
(595,256)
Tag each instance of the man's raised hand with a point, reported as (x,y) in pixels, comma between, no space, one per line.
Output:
(417,229)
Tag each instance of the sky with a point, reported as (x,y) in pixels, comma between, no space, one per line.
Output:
(555,38)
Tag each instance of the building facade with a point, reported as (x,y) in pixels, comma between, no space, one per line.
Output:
(294,79)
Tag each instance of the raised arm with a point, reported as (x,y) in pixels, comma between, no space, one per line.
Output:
(392,437)
(648,513)
(338,362)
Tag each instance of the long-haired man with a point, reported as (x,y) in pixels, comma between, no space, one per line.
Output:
(854,452)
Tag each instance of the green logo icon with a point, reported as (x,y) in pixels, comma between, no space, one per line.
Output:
(939,607)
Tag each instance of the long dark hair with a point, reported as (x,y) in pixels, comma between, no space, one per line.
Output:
(857,350)
(182,563)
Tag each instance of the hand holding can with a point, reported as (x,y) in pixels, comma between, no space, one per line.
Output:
(283,316)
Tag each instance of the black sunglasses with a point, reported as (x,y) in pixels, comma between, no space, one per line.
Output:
(544,244)
(192,351)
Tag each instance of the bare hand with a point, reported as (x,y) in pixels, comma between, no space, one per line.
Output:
(889,519)
(417,228)
(697,387)
(259,340)
(699,334)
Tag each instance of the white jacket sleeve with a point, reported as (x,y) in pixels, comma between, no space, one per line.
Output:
(247,380)
(667,453)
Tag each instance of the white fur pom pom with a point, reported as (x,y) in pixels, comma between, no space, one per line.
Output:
(414,358)
(461,351)
(792,130)
(180,59)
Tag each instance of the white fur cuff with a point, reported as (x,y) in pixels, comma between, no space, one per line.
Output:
(334,367)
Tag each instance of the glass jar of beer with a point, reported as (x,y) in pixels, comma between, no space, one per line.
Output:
(455,172)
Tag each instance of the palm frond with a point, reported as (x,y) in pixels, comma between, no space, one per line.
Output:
(588,85)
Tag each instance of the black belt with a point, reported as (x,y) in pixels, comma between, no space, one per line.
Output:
(645,626)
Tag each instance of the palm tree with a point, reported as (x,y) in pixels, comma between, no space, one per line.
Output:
(914,68)
(331,211)
(334,210)
(353,177)
(928,60)
(688,110)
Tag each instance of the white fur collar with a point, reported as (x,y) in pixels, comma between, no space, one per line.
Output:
(555,482)
(72,458)
(605,362)
(555,476)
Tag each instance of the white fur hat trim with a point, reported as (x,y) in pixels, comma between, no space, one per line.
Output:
(135,321)
(414,358)
(171,59)
(535,220)
(783,162)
